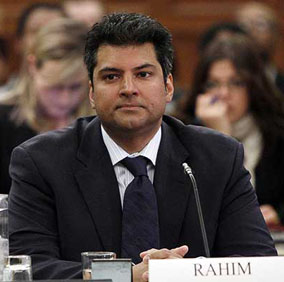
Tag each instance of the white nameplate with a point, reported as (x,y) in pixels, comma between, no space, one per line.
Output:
(237,269)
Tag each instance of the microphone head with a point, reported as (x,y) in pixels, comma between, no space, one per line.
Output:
(187,169)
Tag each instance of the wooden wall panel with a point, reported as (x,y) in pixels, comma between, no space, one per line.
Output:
(186,19)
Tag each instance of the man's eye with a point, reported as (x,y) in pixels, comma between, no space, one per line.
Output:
(110,76)
(144,74)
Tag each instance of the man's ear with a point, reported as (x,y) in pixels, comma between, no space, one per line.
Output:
(169,88)
(92,95)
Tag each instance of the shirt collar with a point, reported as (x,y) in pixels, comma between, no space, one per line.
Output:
(117,154)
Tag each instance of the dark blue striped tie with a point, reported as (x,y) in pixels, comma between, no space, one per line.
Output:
(140,225)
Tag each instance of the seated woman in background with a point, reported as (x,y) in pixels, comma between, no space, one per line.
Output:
(232,94)
(52,94)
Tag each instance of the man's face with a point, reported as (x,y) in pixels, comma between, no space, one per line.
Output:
(129,92)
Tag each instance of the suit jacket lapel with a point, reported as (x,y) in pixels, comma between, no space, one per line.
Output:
(96,178)
(173,188)
(97,181)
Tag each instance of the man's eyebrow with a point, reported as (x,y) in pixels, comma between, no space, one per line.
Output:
(145,66)
(111,69)
(108,69)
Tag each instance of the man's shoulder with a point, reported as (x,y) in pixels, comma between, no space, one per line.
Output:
(61,138)
(199,136)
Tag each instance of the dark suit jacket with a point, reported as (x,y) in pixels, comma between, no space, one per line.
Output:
(11,135)
(65,199)
(269,176)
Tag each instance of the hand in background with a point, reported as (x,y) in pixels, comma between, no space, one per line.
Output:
(213,113)
(270,215)
(140,271)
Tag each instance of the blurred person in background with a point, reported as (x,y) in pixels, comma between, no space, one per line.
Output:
(4,66)
(231,93)
(54,92)
(32,18)
(263,25)
(213,32)
(218,31)
(86,11)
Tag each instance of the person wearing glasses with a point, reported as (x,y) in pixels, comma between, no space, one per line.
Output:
(231,93)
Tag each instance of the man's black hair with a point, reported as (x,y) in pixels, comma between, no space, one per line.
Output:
(213,31)
(123,29)
(28,11)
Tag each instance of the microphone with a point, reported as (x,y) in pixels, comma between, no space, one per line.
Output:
(188,171)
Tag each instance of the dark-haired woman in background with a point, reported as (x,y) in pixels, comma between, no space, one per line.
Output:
(232,94)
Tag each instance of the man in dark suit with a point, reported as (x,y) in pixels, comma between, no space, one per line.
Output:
(69,186)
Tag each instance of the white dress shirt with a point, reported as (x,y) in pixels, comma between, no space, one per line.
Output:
(117,154)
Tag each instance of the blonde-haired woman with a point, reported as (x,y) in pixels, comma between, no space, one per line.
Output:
(51,94)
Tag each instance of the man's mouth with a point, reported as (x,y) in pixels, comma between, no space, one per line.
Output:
(129,106)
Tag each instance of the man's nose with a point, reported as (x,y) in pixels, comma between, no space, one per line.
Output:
(128,86)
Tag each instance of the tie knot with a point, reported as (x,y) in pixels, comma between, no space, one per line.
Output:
(137,166)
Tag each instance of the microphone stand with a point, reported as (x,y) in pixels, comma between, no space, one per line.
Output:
(188,171)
